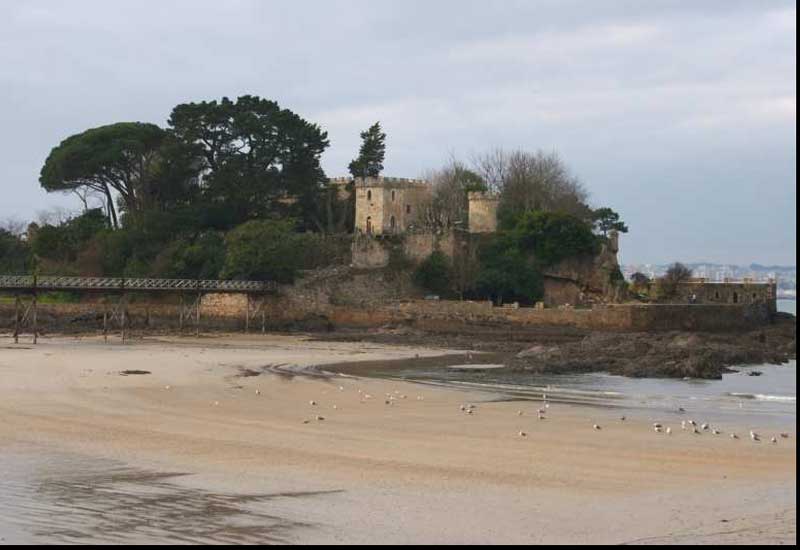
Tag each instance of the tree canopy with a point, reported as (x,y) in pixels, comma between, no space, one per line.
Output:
(607,220)
(119,158)
(257,159)
(369,162)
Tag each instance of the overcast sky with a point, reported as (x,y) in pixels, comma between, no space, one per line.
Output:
(680,115)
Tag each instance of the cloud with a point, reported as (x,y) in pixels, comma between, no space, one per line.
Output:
(662,108)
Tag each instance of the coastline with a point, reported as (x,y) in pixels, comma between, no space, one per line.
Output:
(399,472)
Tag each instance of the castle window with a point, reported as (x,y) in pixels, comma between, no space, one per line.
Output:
(393,223)
(716,296)
(369,226)
(392,196)
(369,195)
(408,209)
(735,297)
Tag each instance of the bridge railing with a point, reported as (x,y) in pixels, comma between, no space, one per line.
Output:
(44,283)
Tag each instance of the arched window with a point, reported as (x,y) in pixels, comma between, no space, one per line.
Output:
(393,223)
(369,195)
(735,297)
(369,226)
(392,196)
(408,209)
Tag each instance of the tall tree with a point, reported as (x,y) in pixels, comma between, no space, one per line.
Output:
(116,160)
(533,181)
(257,158)
(369,163)
(606,219)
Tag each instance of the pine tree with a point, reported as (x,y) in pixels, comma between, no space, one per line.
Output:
(373,151)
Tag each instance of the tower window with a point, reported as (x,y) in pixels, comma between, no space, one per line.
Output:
(393,223)
(392,196)
(408,209)
(369,195)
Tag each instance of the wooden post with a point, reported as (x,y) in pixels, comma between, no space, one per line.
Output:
(180,326)
(124,316)
(247,316)
(105,319)
(35,325)
(263,318)
(16,321)
(197,314)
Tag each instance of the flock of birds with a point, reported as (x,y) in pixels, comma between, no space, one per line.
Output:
(470,409)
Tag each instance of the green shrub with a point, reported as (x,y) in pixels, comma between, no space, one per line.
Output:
(434,274)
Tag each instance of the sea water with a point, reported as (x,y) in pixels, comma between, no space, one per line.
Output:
(738,399)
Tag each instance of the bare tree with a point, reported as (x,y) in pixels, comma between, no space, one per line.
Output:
(676,274)
(533,181)
(448,205)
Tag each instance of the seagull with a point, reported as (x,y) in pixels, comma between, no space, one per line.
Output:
(657,425)
(167,388)
(695,431)
(542,417)
(716,432)
(470,411)
(734,436)
(520,413)
(658,429)
(669,431)
(754,436)
(216,403)
(312,403)
(681,410)
(596,427)
(692,423)
(341,388)
(523,434)
(683,425)
(622,419)
(785,436)
(320,418)
(705,427)
(774,440)
(258,392)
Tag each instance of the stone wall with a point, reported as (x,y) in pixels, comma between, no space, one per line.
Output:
(373,252)
(483,212)
(739,292)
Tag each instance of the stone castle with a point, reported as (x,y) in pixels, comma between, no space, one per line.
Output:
(390,217)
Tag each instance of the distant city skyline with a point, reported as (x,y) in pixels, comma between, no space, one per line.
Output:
(679,115)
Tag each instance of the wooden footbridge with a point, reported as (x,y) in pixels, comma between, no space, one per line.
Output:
(27,288)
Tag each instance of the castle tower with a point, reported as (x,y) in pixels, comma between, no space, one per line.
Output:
(389,206)
(483,212)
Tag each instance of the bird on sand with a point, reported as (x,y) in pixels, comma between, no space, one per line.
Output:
(785,436)
(774,440)
(716,432)
(523,434)
(597,427)
(734,436)
(658,429)
(755,437)
(312,403)
(622,419)
(669,431)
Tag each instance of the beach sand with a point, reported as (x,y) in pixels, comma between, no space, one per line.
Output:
(417,471)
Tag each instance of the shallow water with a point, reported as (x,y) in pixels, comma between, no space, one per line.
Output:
(769,399)
(49,497)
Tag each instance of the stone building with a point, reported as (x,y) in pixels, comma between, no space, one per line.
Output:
(744,292)
(483,212)
(389,206)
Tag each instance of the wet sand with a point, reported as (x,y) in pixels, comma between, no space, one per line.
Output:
(88,455)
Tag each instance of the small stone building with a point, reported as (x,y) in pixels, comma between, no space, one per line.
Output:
(389,206)
(744,292)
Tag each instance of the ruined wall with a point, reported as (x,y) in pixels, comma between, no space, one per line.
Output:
(373,252)
(741,292)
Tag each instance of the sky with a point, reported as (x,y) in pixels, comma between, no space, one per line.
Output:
(680,115)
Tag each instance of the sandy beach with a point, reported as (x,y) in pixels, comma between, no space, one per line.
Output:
(340,467)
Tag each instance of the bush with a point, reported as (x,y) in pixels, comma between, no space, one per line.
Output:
(434,274)
(553,236)
(15,255)
(508,274)
(272,250)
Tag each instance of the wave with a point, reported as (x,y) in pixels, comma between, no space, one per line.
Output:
(766,397)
